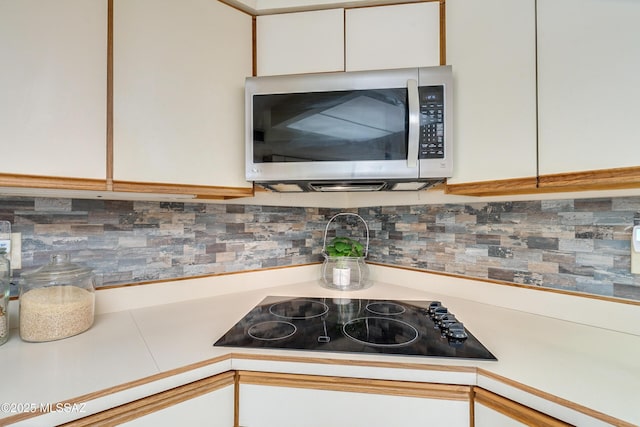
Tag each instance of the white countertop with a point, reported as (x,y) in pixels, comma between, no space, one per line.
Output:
(590,366)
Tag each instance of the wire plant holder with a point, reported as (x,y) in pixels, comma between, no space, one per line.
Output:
(345,273)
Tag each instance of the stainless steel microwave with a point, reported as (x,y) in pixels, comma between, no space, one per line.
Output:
(350,131)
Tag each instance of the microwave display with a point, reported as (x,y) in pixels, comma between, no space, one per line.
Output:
(342,126)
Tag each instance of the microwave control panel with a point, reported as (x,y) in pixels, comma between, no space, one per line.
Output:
(431,122)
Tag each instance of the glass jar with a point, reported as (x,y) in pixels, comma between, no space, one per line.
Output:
(343,271)
(56,301)
(5,280)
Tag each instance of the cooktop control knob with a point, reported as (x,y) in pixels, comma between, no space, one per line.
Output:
(432,306)
(456,331)
(438,312)
(445,321)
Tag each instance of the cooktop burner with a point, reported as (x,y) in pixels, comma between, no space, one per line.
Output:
(380,331)
(299,309)
(418,328)
(272,330)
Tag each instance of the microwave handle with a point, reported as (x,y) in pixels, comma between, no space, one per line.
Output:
(413,103)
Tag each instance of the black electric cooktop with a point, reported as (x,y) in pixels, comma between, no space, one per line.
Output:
(410,328)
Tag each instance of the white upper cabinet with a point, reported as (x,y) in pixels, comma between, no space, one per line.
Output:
(589,84)
(179,71)
(491,48)
(53,81)
(369,38)
(301,42)
(395,36)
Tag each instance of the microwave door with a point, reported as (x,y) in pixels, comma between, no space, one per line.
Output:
(340,134)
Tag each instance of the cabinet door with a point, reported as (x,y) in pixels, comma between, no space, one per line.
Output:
(491,48)
(301,42)
(179,70)
(53,77)
(324,401)
(210,402)
(212,409)
(588,68)
(394,36)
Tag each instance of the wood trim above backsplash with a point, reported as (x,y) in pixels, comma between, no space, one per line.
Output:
(602,179)
(199,191)
(51,182)
(491,188)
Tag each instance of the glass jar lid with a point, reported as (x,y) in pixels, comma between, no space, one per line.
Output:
(59,271)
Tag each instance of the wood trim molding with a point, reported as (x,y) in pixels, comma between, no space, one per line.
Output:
(51,182)
(84,184)
(603,179)
(199,191)
(156,402)
(492,188)
(357,385)
(236,399)
(514,410)
(353,362)
(109,136)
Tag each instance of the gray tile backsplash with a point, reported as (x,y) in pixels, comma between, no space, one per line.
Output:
(580,245)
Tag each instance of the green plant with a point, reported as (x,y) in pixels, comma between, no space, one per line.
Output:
(345,247)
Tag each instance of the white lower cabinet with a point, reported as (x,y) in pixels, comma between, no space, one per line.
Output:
(210,402)
(211,409)
(263,399)
(267,400)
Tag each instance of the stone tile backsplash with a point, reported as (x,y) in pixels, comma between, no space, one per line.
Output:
(574,244)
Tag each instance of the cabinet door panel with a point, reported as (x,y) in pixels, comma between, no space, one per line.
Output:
(301,42)
(213,409)
(493,60)
(394,36)
(589,63)
(262,406)
(179,70)
(53,77)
